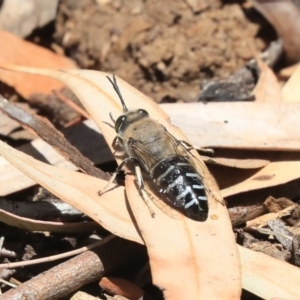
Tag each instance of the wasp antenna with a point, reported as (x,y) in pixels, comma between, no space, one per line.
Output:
(116,88)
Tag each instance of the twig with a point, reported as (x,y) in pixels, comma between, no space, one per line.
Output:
(58,256)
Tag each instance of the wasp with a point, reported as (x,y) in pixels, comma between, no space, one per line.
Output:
(164,159)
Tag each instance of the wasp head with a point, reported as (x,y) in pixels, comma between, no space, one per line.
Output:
(129,117)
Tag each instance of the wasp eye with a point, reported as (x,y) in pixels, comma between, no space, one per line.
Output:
(120,123)
(143,113)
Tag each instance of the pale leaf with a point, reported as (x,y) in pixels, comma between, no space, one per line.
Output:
(285,18)
(267,89)
(251,125)
(99,98)
(38,225)
(158,248)
(268,277)
(238,163)
(285,168)
(78,190)
(84,136)
(291,90)
(287,72)
(183,240)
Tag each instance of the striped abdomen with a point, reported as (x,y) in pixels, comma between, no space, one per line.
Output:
(178,180)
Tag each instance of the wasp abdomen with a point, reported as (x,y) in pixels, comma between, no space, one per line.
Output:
(181,185)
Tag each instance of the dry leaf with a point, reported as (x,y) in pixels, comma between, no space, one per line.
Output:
(251,125)
(291,90)
(285,17)
(38,225)
(264,219)
(253,163)
(268,277)
(84,136)
(284,168)
(122,287)
(268,88)
(217,217)
(287,72)
(19,51)
(78,190)
(182,240)
(98,97)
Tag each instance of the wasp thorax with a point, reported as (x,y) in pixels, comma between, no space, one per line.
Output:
(129,118)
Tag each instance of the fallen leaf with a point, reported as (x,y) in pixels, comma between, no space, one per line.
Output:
(291,90)
(237,163)
(78,190)
(181,240)
(287,72)
(240,125)
(263,220)
(19,51)
(285,17)
(38,225)
(267,89)
(81,186)
(85,137)
(99,99)
(268,277)
(122,287)
(282,170)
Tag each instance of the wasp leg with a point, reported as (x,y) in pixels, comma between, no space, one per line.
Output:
(117,142)
(113,177)
(140,183)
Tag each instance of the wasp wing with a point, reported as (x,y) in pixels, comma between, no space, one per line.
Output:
(150,154)
(184,149)
(147,160)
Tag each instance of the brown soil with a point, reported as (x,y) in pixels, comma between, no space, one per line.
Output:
(163,48)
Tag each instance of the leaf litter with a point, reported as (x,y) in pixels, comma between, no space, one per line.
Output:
(261,274)
(94,86)
(131,97)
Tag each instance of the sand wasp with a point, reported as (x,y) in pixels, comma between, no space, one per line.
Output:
(164,159)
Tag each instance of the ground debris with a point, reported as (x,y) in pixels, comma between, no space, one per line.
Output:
(153,42)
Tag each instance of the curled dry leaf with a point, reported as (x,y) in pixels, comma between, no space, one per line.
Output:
(37,225)
(78,190)
(98,97)
(284,168)
(84,136)
(253,163)
(122,287)
(285,17)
